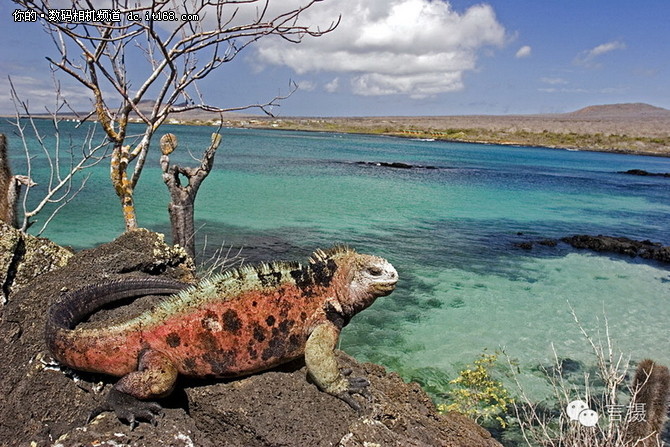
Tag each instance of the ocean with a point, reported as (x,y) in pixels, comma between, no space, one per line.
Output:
(449,225)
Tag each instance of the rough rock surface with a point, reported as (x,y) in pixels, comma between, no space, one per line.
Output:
(621,245)
(646,249)
(395,164)
(45,405)
(644,173)
(24,257)
(527,245)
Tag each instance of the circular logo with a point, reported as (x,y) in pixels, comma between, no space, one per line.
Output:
(578,410)
(574,408)
(588,418)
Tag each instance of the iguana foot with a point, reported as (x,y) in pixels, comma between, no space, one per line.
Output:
(357,385)
(128,409)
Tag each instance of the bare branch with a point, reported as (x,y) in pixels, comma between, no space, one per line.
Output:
(180,53)
(59,188)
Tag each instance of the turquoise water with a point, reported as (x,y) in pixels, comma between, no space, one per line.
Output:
(450,232)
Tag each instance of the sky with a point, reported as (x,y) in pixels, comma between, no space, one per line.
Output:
(415,57)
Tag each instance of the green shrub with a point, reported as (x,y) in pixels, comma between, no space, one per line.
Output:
(477,394)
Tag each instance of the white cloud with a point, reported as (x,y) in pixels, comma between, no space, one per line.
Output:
(646,72)
(306,86)
(415,85)
(587,57)
(332,86)
(554,81)
(562,90)
(606,48)
(40,95)
(603,91)
(524,51)
(411,47)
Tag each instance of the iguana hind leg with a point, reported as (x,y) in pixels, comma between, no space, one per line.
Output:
(155,378)
(323,368)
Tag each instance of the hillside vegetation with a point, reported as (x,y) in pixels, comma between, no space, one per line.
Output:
(628,128)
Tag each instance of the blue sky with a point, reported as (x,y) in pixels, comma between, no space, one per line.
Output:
(421,57)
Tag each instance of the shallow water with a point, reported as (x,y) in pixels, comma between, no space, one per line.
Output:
(449,231)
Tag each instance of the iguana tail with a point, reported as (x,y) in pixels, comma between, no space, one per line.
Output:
(74,306)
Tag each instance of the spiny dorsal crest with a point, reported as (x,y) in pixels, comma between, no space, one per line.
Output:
(248,277)
(228,285)
(324,255)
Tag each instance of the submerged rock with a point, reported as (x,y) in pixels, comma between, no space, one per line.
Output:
(395,164)
(46,405)
(528,245)
(607,244)
(621,245)
(642,172)
(525,245)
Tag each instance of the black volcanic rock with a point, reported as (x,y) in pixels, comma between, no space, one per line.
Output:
(607,244)
(642,172)
(621,245)
(528,245)
(395,164)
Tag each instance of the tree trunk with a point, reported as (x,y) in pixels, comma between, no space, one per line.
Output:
(128,206)
(122,185)
(182,222)
(10,190)
(182,197)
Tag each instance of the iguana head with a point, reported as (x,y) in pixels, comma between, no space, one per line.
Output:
(358,278)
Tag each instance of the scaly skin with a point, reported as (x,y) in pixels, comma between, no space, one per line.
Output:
(245,321)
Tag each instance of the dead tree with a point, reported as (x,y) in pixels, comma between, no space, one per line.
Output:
(7,186)
(58,188)
(10,187)
(182,194)
(199,37)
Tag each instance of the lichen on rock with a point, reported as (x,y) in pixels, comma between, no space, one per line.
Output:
(24,257)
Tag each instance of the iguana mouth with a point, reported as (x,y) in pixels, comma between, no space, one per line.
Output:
(386,287)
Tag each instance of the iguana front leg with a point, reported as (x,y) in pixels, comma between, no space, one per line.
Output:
(155,378)
(322,365)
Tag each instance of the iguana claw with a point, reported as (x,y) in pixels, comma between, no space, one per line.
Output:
(357,385)
(128,409)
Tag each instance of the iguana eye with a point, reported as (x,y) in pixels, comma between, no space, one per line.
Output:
(374,271)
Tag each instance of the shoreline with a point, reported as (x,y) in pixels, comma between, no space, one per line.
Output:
(655,144)
(629,135)
(492,142)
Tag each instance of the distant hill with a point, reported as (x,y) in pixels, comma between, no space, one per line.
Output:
(628,110)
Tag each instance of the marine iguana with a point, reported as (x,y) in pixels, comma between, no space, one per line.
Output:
(247,320)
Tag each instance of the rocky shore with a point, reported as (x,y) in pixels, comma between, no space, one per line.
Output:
(44,404)
(646,249)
